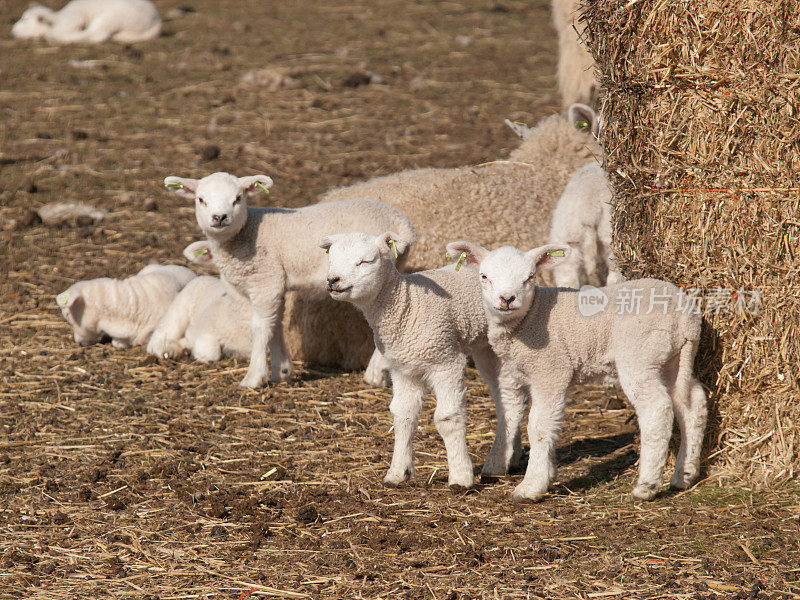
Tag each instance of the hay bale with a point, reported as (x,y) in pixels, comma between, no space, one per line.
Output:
(702,142)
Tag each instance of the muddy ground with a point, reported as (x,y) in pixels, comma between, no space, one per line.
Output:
(126,476)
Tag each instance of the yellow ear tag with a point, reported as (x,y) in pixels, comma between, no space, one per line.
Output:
(447,254)
(261,186)
(581,123)
(174,185)
(394,245)
(200,252)
(328,250)
(62,298)
(555,253)
(520,123)
(461,260)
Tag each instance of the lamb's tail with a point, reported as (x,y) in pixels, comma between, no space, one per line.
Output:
(690,329)
(131,37)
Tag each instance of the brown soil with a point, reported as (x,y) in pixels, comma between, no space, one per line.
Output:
(126,476)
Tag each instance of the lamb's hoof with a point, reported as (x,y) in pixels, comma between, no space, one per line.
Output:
(644,491)
(395,478)
(493,469)
(458,490)
(461,482)
(252,381)
(523,494)
(285,374)
(377,378)
(489,479)
(682,481)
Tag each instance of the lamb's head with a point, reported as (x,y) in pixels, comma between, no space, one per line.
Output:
(358,263)
(79,315)
(220,200)
(508,275)
(35,22)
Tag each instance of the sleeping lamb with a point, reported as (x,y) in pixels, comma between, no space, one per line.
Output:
(644,330)
(209,318)
(93,21)
(264,252)
(126,310)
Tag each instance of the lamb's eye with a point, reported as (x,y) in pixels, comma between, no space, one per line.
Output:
(484,277)
(238,199)
(201,201)
(366,262)
(530,278)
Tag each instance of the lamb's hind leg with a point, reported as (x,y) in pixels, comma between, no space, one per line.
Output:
(651,400)
(405,407)
(509,401)
(450,418)
(281,368)
(544,426)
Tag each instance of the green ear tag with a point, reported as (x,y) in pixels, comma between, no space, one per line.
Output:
(62,298)
(261,186)
(447,254)
(520,123)
(394,245)
(174,185)
(460,260)
(200,252)
(555,253)
(581,123)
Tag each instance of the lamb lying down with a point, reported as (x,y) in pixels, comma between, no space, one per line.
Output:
(209,318)
(552,336)
(91,21)
(126,310)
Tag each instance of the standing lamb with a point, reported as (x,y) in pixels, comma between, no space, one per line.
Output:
(126,310)
(496,202)
(92,21)
(575,72)
(582,219)
(425,325)
(263,252)
(209,318)
(644,330)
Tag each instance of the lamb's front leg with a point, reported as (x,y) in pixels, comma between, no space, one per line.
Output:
(377,373)
(450,418)
(508,393)
(265,313)
(544,425)
(405,407)
(281,368)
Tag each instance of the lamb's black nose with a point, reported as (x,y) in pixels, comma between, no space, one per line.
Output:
(332,281)
(218,219)
(508,300)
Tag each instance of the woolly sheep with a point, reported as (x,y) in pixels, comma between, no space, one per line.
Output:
(425,325)
(126,310)
(553,336)
(575,72)
(91,21)
(263,252)
(209,318)
(582,220)
(497,202)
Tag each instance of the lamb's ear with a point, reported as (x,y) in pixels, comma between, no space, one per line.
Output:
(547,257)
(473,253)
(391,245)
(583,118)
(520,129)
(199,253)
(253,183)
(67,299)
(186,188)
(326,242)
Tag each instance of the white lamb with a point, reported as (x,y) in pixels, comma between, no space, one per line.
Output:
(209,318)
(425,325)
(582,219)
(264,252)
(92,21)
(497,202)
(125,310)
(575,72)
(643,330)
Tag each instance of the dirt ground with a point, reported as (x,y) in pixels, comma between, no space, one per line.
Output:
(126,476)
